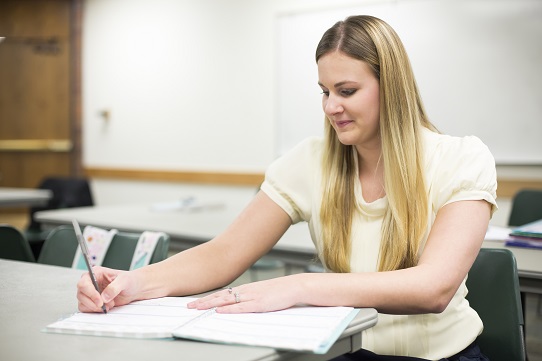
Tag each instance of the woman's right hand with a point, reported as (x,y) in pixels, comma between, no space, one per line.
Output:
(118,288)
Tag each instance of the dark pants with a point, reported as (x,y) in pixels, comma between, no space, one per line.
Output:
(471,353)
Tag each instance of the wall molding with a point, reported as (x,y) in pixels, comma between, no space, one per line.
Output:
(230,178)
(506,187)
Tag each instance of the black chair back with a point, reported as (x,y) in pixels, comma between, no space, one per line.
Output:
(67,192)
(493,286)
(13,245)
(526,207)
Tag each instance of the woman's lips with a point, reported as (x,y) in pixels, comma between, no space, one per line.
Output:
(342,123)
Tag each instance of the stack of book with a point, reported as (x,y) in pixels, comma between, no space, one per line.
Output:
(529,235)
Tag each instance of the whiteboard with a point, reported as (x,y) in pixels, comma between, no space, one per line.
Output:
(478,65)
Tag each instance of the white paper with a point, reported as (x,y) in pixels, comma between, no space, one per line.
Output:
(310,329)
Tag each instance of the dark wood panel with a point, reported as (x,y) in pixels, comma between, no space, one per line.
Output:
(37,97)
(35,18)
(34,92)
(28,169)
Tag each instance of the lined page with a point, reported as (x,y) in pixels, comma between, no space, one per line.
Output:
(155,318)
(312,329)
(309,329)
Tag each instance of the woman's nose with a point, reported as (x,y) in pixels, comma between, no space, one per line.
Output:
(332,105)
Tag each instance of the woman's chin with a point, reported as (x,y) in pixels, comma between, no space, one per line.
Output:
(346,140)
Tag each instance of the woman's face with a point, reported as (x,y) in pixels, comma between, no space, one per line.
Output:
(350,99)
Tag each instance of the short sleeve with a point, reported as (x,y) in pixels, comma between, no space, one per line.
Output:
(290,180)
(464,169)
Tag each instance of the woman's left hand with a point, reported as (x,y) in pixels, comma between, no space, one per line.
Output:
(263,296)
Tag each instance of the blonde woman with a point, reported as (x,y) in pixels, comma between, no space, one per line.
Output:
(396,210)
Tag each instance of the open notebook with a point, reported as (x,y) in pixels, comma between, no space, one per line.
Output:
(308,329)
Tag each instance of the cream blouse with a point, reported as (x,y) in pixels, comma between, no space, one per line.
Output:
(456,169)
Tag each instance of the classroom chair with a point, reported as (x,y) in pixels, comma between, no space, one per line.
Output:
(13,245)
(68,192)
(61,244)
(493,292)
(526,207)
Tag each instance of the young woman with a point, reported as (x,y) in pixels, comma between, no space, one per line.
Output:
(397,213)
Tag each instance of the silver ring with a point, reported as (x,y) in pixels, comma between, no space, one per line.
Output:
(237,297)
(230,290)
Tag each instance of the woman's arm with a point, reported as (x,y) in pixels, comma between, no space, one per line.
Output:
(208,266)
(452,246)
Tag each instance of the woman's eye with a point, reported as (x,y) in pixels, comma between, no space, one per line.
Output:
(348,92)
(325,92)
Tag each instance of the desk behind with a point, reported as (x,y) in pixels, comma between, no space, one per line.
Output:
(529,263)
(23,197)
(188,229)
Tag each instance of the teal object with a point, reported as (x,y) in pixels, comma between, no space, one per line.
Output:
(61,244)
(493,286)
(526,207)
(13,245)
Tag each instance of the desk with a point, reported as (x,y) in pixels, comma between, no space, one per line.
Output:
(188,229)
(17,197)
(34,295)
(529,263)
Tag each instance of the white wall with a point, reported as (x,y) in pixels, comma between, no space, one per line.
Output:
(190,85)
(194,84)
(477,65)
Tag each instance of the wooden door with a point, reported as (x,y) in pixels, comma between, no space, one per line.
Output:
(38,92)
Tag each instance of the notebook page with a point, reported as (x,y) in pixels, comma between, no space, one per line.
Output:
(309,329)
(312,329)
(155,318)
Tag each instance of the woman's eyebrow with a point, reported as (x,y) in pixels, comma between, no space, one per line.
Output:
(341,83)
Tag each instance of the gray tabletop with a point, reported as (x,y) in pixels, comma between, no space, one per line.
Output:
(22,197)
(189,228)
(529,261)
(33,296)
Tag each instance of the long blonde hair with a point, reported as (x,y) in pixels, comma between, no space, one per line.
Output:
(402,116)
